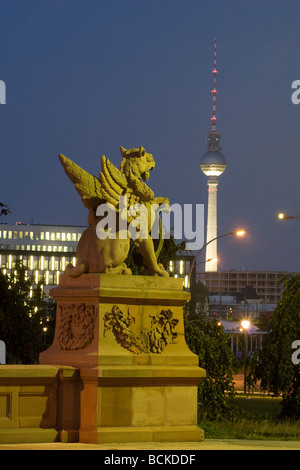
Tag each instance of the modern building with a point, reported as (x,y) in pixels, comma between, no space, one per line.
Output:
(212,164)
(243,292)
(45,250)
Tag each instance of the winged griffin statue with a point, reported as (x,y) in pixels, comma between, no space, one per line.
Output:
(108,255)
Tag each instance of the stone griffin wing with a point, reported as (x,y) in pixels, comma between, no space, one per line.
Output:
(87,185)
(110,185)
(114,184)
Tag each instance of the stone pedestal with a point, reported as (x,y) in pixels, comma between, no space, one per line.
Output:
(126,336)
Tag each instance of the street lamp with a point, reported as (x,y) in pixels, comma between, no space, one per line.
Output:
(283,216)
(238,233)
(45,332)
(245,325)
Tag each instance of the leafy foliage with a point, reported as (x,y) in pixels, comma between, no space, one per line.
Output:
(4,209)
(216,395)
(22,309)
(273,364)
(167,253)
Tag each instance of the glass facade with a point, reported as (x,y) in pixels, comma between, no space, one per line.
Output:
(44,250)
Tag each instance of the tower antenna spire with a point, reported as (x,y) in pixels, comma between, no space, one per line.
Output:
(214,91)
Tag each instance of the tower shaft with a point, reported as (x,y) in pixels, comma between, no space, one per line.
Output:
(211,230)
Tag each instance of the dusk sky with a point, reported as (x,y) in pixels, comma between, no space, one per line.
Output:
(83,78)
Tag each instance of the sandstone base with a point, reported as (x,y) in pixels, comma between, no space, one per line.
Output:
(121,369)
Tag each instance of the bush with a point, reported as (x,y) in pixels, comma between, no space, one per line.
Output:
(216,394)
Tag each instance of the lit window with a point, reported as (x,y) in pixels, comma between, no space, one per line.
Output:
(65,248)
(9,261)
(47,236)
(63,236)
(21,235)
(10,235)
(181,267)
(28,247)
(54,248)
(52,236)
(47,277)
(31,235)
(42,236)
(68,237)
(57,235)
(31,262)
(78,236)
(171,266)
(15,235)
(73,237)
(4,233)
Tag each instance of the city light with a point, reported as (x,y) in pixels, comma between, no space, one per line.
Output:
(239,233)
(286,217)
(245,324)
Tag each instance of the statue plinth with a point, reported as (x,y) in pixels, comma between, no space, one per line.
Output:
(126,335)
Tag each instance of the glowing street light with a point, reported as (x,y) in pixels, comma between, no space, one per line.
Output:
(238,233)
(245,325)
(286,217)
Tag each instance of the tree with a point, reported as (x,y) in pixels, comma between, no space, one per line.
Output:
(216,394)
(165,253)
(273,364)
(22,308)
(4,209)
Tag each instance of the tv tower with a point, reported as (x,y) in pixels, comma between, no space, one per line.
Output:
(212,164)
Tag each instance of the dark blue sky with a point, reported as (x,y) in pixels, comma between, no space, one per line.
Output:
(84,78)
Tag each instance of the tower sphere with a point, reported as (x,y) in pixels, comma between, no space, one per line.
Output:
(213,163)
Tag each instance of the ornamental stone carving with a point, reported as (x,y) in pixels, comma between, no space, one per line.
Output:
(77,326)
(153,340)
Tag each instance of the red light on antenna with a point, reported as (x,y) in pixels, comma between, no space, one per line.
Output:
(215,71)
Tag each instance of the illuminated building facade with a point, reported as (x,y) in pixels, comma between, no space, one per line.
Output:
(45,250)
